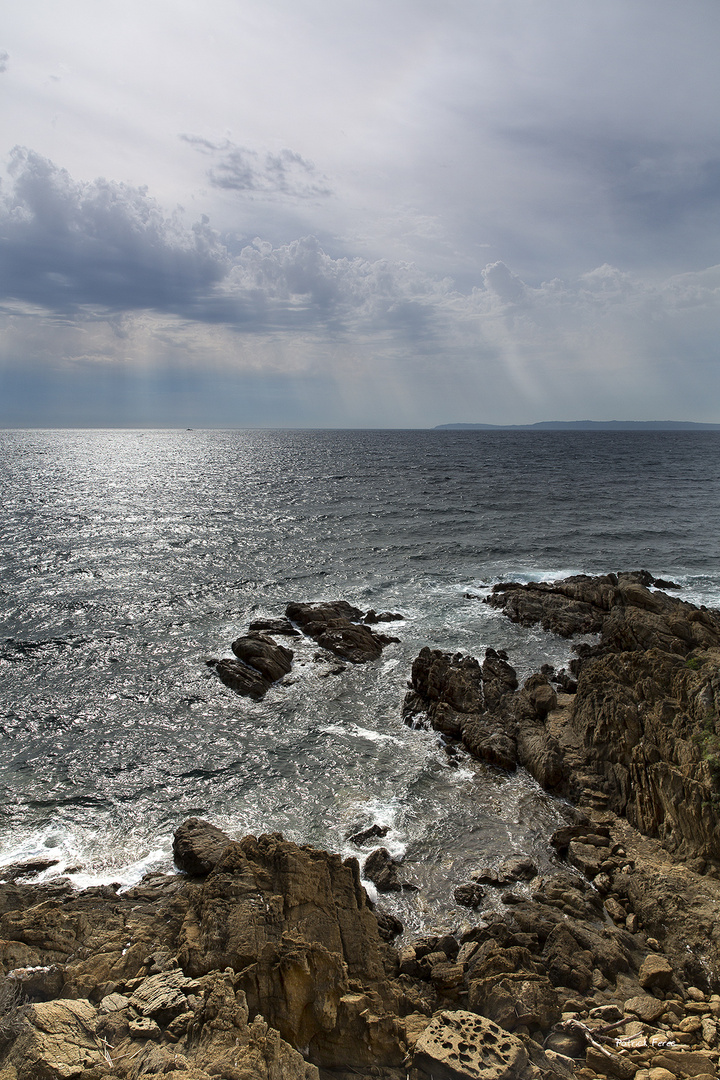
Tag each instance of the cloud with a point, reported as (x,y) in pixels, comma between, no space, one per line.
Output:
(98,274)
(67,245)
(4,57)
(238,168)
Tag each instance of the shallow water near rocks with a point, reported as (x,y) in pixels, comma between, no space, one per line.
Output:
(130,557)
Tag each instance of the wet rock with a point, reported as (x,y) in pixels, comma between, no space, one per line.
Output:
(381,869)
(337,627)
(263,654)
(518,868)
(373,616)
(13,871)
(241,678)
(388,925)
(283,627)
(370,833)
(198,846)
(469,895)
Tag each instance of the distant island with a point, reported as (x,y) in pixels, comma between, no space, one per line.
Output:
(586,425)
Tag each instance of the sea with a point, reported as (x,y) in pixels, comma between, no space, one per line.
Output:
(129,558)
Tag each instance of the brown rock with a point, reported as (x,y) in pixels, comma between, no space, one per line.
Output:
(336,626)
(263,654)
(198,846)
(655,972)
(462,1044)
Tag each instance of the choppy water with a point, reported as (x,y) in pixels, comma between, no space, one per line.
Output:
(127,558)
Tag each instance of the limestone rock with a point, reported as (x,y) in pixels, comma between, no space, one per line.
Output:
(464,1046)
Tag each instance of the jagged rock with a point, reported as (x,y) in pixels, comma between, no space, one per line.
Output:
(486,740)
(13,871)
(518,868)
(370,833)
(198,845)
(464,1046)
(455,680)
(381,869)
(58,1039)
(641,734)
(162,997)
(469,895)
(373,616)
(336,626)
(263,654)
(295,923)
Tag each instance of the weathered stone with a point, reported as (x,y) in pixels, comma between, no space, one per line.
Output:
(263,654)
(381,869)
(685,1062)
(241,678)
(198,846)
(336,626)
(463,1046)
(649,1009)
(655,972)
(274,626)
(469,895)
(58,1040)
(163,996)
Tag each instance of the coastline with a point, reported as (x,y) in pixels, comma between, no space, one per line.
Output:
(263,958)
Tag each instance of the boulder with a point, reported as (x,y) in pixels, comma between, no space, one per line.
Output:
(57,1040)
(381,869)
(283,627)
(242,679)
(198,846)
(464,1046)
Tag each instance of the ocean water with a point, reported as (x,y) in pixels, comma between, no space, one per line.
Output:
(130,557)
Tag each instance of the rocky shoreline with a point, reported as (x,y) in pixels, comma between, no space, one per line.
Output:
(264,960)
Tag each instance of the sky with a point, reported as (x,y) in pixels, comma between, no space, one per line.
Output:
(359,213)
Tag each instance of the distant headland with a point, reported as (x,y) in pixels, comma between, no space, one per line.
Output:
(586,425)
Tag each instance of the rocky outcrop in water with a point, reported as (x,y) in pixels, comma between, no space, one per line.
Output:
(640,732)
(340,628)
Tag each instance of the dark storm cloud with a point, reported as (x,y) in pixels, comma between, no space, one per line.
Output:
(238,168)
(91,250)
(66,245)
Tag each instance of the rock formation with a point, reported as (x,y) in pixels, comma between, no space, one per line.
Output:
(639,735)
(265,960)
(338,627)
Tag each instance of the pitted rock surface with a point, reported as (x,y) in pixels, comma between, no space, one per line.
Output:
(464,1046)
